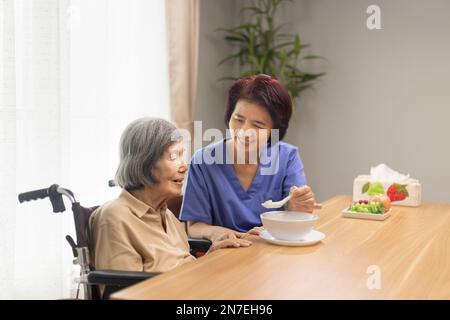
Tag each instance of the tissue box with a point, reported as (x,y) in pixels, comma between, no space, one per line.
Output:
(404,194)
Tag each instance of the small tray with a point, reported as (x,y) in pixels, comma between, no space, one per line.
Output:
(364,215)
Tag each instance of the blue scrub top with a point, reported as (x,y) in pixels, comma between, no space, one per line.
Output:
(214,194)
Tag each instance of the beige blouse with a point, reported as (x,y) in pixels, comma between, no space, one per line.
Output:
(127,234)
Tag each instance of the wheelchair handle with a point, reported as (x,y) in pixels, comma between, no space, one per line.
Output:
(33,195)
(54,192)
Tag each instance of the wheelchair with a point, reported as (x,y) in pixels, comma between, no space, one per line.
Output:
(91,279)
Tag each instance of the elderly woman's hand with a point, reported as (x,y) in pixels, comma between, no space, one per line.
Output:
(231,239)
(225,233)
(303,200)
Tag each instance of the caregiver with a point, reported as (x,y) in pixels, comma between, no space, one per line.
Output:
(223,198)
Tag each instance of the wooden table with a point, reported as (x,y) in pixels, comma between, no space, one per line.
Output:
(408,255)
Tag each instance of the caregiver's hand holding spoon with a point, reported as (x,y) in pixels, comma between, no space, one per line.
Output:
(302,199)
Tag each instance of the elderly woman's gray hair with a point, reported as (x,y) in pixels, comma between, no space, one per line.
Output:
(142,144)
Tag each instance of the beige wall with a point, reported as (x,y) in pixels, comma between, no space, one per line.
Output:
(386,97)
(212,94)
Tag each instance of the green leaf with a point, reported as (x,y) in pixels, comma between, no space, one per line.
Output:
(283,44)
(365,187)
(311,57)
(311,76)
(406,192)
(376,188)
(246,26)
(262,64)
(297,44)
(296,53)
(254,61)
(230,57)
(234,39)
(304,87)
(401,188)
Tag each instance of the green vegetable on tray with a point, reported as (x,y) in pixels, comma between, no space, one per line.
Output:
(364,207)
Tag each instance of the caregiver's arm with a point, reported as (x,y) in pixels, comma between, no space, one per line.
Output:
(213,233)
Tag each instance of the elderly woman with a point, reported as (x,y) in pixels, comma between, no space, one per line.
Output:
(136,231)
(224,197)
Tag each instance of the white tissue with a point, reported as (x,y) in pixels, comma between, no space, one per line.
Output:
(384,173)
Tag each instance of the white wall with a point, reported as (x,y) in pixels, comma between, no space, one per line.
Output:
(385,97)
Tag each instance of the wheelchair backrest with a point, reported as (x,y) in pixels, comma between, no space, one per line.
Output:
(81,217)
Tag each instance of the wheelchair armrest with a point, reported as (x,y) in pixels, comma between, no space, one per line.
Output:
(199,245)
(118,278)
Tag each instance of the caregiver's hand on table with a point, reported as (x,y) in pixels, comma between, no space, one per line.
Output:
(302,200)
(255,231)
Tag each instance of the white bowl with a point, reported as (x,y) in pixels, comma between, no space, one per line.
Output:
(288,225)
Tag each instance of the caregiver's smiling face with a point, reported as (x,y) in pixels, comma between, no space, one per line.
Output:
(250,125)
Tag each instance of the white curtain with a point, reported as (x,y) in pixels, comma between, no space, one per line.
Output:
(73,73)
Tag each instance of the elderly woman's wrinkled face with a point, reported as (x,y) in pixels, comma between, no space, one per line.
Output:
(250,126)
(170,170)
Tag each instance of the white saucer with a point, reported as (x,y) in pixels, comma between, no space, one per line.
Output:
(311,238)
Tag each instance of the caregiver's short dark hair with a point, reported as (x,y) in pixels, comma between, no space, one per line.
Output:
(267,92)
(142,144)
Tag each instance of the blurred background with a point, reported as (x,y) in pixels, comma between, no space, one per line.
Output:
(73,73)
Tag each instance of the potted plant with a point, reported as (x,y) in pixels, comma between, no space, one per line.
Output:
(262,47)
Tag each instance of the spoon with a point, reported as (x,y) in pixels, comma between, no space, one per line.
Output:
(277,204)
